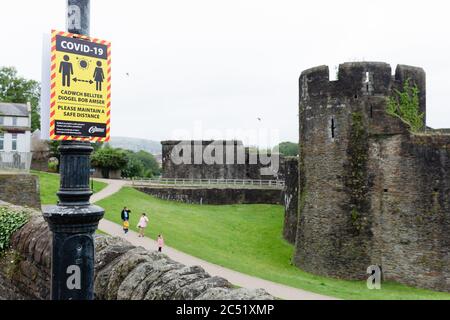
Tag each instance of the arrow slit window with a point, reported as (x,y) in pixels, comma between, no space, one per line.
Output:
(332,128)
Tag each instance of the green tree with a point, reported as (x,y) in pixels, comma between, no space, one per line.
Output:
(288,149)
(141,164)
(16,89)
(151,166)
(134,167)
(108,159)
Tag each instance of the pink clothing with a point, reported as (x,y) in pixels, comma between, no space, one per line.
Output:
(143,222)
(160,242)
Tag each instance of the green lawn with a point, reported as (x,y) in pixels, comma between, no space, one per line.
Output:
(49,185)
(246,238)
(100,232)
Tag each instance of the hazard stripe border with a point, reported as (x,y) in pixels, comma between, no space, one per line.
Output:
(53,74)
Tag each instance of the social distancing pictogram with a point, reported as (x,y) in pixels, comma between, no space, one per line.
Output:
(80,88)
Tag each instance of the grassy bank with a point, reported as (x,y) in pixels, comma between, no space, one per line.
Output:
(245,238)
(49,185)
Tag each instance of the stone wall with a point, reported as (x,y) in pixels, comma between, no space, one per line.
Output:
(216,196)
(233,161)
(290,194)
(410,205)
(371,192)
(107,174)
(20,189)
(123,272)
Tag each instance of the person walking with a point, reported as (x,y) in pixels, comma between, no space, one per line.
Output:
(125,216)
(143,221)
(160,242)
(126,226)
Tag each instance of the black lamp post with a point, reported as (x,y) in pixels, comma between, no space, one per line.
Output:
(74,220)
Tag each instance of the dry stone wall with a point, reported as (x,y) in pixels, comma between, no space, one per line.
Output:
(20,189)
(122,272)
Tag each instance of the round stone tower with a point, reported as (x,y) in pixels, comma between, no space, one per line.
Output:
(338,119)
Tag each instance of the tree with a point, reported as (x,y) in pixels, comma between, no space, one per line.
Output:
(141,164)
(288,149)
(108,159)
(16,89)
(134,168)
(151,166)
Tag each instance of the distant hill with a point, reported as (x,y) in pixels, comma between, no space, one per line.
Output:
(136,144)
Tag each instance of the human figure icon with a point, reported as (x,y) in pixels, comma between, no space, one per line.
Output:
(66,69)
(99,76)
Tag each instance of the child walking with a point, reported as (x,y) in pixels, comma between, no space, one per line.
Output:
(143,221)
(160,243)
(126,226)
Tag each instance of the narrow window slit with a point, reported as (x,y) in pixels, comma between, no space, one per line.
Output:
(333,127)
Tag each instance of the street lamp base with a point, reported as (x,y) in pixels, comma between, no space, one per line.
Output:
(73,229)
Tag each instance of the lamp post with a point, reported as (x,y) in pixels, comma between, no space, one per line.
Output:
(74,220)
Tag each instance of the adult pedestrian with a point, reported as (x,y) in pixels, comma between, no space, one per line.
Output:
(143,222)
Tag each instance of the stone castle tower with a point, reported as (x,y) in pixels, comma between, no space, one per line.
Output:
(370,192)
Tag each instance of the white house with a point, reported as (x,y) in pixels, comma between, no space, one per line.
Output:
(15,136)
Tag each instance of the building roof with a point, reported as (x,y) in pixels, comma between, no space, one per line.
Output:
(13,109)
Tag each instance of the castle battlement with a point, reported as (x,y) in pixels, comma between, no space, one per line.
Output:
(359,79)
(370,192)
(362,87)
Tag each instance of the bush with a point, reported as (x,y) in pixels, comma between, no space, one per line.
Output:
(405,105)
(108,159)
(288,149)
(52,167)
(10,222)
(140,164)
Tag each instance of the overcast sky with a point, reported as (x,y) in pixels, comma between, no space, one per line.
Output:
(222,64)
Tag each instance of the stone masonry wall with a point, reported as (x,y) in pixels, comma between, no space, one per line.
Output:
(216,196)
(123,272)
(234,161)
(371,192)
(20,189)
(411,207)
(290,193)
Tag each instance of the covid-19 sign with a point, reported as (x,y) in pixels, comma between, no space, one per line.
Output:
(80,88)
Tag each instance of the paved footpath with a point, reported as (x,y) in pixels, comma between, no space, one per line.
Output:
(237,278)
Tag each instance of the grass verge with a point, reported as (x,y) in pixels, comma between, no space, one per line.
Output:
(245,238)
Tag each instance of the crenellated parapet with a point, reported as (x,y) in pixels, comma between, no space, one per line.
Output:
(361,87)
(370,191)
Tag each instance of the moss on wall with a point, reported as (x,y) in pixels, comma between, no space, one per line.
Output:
(356,178)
